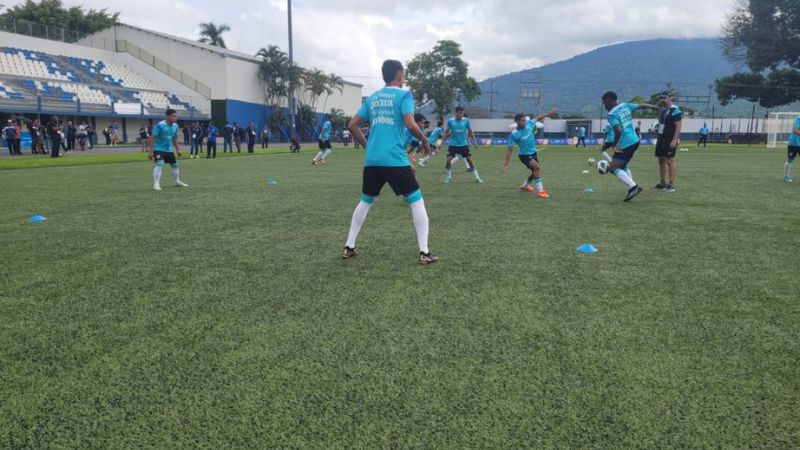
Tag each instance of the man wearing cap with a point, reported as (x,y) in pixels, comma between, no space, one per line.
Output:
(669,134)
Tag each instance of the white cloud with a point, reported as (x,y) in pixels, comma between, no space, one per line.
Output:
(353,37)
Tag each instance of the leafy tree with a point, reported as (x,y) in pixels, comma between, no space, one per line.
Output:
(335,82)
(211,34)
(316,84)
(273,69)
(53,13)
(442,76)
(306,118)
(764,35)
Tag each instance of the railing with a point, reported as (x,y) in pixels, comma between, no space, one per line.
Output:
(49,32)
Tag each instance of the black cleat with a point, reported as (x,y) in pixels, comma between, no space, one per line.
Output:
(633,192)
(426,259)
(669,188)
(660,186)
(348,253)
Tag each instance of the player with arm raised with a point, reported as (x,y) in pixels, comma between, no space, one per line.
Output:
(626,141)
(524,136)
(390,111)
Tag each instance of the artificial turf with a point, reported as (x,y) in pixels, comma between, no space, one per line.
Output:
(220,315)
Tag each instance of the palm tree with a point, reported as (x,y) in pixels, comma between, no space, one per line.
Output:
(334,82)
(272,72)
(316,85)
(306,117)
(211,34)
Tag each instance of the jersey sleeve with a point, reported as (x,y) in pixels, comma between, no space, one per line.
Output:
(157,130)
(633,106)
(408,103)
(512,140)
(363,112)
(613,120)
(677,114)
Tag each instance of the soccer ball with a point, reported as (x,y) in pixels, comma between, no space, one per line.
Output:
(603,167)
(591,161)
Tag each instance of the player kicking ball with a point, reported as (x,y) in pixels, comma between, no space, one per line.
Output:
(524,136)
(159,149)
(390,111)
(459,130)
(626,141)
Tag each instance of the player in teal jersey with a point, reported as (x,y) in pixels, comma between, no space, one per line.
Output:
(390,111)
(159,149)
(459,130)
(433,141)
(325,147)
(524,136)
(794,150)
(626,141)
(412,143)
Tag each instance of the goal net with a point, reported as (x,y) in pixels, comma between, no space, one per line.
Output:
(779,128)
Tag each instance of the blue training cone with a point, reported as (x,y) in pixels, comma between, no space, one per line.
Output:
(272,182)
(587,248)
(588,191)
(37,218)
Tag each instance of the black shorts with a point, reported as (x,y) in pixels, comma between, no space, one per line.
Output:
(607,146)
(526,159)
(627,154)
(663,150)
(168,158)
(460,151)
(401,179)
(793,151)
(324,145)
(415,144)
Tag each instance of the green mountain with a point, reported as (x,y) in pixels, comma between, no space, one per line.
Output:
(631,69)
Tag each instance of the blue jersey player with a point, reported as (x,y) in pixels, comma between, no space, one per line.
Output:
(159,149)
(626,141)
(325,148)
(794,150)
(524,136)
(433,141)
(459,131)
(389,111)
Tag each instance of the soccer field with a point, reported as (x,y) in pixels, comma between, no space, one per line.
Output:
(221,316)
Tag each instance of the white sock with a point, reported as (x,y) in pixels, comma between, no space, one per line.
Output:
(607,156)
(466,163)
(787,168)
(475,172)
(359,216)
(539,184)
(421,223)
(449,172)
(176,175)
(319,156)
(157,175)
(625,178)
(326,153)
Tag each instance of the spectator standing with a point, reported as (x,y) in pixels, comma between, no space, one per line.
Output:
(212,134)
(144,136)
(346,137)
(54,131)
(83,135)
(227,134)
(107,135)
(250,133)
(237,137)
(35,129)
(114,130)
(186,133)
(8,134)
(265,137)
(71,133)
(17,138)
(197,141)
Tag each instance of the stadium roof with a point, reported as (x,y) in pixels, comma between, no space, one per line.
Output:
(224,52)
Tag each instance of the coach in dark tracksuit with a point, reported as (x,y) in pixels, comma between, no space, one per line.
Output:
(212,132)
(197,140)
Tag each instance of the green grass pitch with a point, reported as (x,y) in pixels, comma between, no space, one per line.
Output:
(220,316)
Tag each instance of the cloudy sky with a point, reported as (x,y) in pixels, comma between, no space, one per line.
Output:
(353,37)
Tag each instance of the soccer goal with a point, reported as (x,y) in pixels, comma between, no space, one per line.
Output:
(779,127)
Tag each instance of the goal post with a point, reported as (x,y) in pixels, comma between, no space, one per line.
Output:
(779,128)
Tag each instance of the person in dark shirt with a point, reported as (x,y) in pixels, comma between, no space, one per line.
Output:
(71,134)
(669,135)
(186,133)
(144,136)
(237,137)
(197,141)
(212,132)
(227,134)
(265,137)
(250,134)
(54,130)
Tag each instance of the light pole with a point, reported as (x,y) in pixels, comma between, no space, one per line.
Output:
(291,63)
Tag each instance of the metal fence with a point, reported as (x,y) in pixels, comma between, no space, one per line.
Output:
(50,32)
